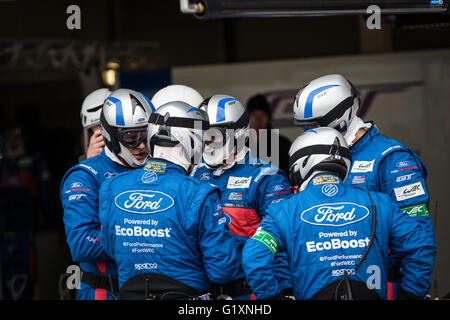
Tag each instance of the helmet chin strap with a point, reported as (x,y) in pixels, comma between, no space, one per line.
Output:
(174,154)
(114,157)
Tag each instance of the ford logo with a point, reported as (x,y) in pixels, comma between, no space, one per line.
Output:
(143,201)
(335,214)
(403,164)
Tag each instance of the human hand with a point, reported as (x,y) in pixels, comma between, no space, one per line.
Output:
(96,144)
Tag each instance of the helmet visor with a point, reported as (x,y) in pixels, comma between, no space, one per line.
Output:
(132,138)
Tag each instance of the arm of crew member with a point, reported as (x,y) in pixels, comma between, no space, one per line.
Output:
(81,222)
(107,233)
(258,259)
(221,257)
(416,248)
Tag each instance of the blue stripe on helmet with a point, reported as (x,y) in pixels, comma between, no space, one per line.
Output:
(220,116)
(308,105)
(119,111)
(148,101)
(192,109)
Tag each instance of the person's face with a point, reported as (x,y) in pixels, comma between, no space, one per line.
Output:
(136,142)
(140,152)
(259,119)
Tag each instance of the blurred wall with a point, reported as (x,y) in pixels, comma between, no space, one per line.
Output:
(416,111)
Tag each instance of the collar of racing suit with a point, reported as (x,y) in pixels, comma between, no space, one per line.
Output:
(365,139)
(355,125)
(238,157)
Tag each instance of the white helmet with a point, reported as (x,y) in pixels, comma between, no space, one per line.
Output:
(320,149)
(229,124)
(177,123)
(90,111)
(124,120)
(328,101)
(177,92)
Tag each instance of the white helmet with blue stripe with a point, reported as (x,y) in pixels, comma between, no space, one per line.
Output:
(124,121)
(328,101)
(228,133)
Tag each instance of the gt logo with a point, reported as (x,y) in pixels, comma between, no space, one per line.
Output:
(405,177)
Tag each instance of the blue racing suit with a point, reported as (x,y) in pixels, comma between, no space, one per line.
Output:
(325,230)
(385,165)
(247,189)
(159,220)
(79,196)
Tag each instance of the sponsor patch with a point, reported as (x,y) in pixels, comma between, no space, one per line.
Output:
(277,200)
(145,266)
(389,149)
(138,231)
(406,177)
(334,214)
(363,166)
(278,187)
(236,196)
(143,201)
(325,179)
(233,205)
(336,244)
(359,180)
(267,239)
(403,164)
(409,191)
(76,197)
(149,177)
(419,210)
(89,168)
(205,176)
(110,174)
(330,190)
(239,182)
(155,166)
(76,185)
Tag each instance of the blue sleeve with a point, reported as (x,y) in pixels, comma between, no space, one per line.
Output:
(403,178)
(104,217)
(274,187)
(271,186)
(416,249)
(79,198)
(258,259)
(221,257)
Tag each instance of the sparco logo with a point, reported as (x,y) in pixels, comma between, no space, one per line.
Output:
(335,214)
(143,201)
